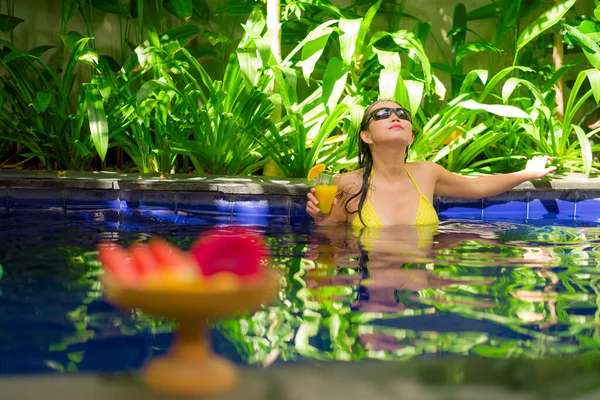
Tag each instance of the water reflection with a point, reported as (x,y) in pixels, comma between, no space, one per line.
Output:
(496,290)
(488,289)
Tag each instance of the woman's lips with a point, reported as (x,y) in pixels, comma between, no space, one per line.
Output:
(396,126)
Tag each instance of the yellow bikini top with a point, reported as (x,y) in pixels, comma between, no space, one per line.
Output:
(426,214)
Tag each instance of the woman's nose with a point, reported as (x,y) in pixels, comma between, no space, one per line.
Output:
(394,117)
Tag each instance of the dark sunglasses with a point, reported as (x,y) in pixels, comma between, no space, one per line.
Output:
(386,112)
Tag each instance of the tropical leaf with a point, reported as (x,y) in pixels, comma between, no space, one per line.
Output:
(545,21)
(496,109)
(9,22)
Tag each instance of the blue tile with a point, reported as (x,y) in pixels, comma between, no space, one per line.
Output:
(93,205)
(148,200)
(92,199)
(263,205)
(587,209)
(194,203)
(259,219)
(507,206)
(36,199)
(551,206)
(93,215)
(200,218)
(3,201)
(148,207)
(298,207)
(459,208)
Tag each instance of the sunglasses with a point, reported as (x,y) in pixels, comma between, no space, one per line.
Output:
(386,112)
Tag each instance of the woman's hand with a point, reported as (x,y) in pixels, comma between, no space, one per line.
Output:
(538,167)
(313,210)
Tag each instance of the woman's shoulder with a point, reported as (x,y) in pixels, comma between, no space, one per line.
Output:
(421,164)
(350,182)
(352,176)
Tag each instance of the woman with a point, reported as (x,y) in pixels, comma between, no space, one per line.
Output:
(389,191)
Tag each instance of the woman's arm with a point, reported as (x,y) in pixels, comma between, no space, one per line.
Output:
(449,184)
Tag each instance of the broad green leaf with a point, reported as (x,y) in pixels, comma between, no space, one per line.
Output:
(590,48)
(234,7)
(254,26)
(81,148)
(421,30)
(40,50)
(507,22)
(388,84)
(470,79)
(97,118)
(498,77)
(588,27)
(249,65)
(69,8)
(70,39)
(389,59)
(512,83)
(408,41)
(488,11)
(365,28)
(9,22)
(440,89)
(334,82)
(415,91)
(544,22)
(586,149)
(201,10)
(148,88)
(459,29)
(356,112)
(313,49)
(181,34)
(390,80)
(558,74)
(351,30)
(474,47)
(462,140)
(153,35)
(88,56)
(182,9)
(111,7)
(42,101)
(575,101)
(215,38)
(497,109)
(315,33)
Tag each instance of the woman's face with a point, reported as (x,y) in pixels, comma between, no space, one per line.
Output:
(388,122)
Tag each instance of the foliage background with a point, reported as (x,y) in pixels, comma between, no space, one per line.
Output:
(161,86)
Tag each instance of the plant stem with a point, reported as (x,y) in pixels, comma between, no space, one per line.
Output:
(558,55)
(274,26)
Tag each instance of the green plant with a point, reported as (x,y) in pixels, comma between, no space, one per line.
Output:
(36,112)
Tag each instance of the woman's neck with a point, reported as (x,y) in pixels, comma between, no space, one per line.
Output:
(389,166)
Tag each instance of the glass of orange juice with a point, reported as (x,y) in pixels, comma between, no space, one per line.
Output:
(326,188)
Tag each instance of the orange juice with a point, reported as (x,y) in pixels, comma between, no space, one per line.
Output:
(325,196)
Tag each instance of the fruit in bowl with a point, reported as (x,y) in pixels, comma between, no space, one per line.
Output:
(222,259)
(224,273)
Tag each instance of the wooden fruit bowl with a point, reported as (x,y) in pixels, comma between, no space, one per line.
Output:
(190,367)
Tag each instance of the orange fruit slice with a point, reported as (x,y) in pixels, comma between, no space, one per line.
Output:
(315,171)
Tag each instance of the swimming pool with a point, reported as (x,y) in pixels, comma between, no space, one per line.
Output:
(498,279)
(512,276)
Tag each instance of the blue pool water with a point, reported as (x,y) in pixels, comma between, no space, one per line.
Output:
(491,289)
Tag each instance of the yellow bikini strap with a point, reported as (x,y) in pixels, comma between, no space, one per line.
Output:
(413,181)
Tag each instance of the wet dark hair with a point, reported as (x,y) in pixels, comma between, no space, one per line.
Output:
(365,160)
